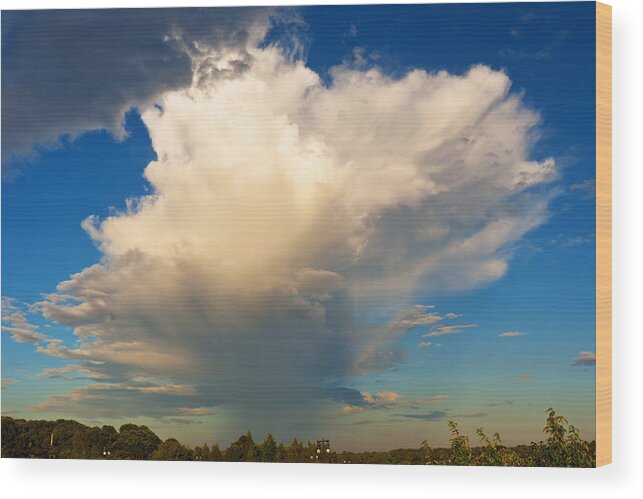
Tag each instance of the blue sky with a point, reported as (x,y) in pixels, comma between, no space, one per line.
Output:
(477,377)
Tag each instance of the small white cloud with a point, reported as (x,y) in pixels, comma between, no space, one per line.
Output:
(585,359)
(353,409)
(16,323)
(196,411)
(443,330)
(418,316)
(512,334)
(587,186)
(388,400)
(177,389)
(381,398)
(61,372)
(569,241)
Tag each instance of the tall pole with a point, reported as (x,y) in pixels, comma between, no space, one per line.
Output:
(323,452)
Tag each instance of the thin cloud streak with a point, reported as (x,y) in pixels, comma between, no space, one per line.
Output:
(585,359)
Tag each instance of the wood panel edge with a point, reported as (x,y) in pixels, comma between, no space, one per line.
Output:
(603,234)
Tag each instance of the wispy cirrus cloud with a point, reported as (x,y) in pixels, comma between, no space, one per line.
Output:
(196,411)
(429,416)
(111,400)
(184,421)
(567,241)
(85,371)
(388,400)
(439,415)
(511,334)
(380,352)
(470,415)
(6,382)
(452,329)
(586,186)
(15,322)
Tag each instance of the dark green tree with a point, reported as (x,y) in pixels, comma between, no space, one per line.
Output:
(242,449)
(296,453)
(135,442)
(267,450)
(172,450)
(215,453)
(282,454)
(460,449)
(563,447)
(202,453)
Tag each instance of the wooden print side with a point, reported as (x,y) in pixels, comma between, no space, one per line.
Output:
(603,234)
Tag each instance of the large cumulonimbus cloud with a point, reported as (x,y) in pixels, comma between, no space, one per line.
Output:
(285,214)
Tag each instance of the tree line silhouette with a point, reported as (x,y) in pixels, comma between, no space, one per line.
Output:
(68,439)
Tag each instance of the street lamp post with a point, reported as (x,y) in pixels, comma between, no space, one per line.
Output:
(323,452)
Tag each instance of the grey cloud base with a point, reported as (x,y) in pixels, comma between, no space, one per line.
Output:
(68,71)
